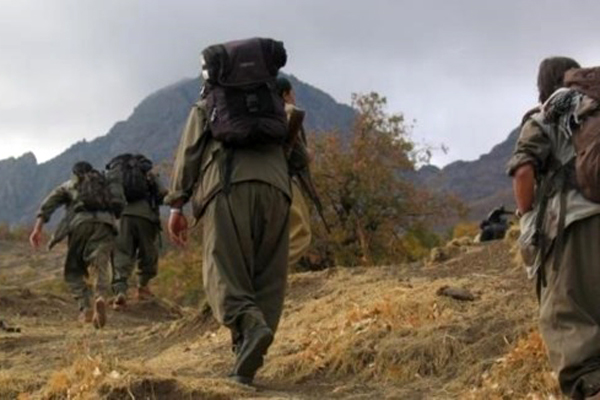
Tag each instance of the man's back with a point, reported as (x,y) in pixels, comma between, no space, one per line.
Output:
(211,169)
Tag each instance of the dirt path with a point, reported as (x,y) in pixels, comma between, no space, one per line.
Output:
(151,349)
(147,349)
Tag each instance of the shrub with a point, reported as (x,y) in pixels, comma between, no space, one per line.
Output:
(377,214)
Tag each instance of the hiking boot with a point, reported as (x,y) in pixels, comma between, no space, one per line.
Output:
(85,315)
(144,293)
(99,318)
(120,302)
(10,329)
(250,356)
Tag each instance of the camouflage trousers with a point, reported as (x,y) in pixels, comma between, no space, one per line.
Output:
(90,246)
(137,242)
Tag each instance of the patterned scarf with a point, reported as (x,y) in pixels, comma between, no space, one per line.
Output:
(564,108)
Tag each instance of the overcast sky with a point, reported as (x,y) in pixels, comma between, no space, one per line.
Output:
(464,70)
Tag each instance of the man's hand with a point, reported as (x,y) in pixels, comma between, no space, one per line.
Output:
(178,228)
(35,239)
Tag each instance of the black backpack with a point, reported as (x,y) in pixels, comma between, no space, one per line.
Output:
(243,105)
(132,171)
(93,192)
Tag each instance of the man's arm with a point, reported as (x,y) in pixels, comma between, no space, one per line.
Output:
(524,187)
(188,159)
(59,197)
(186,172)
(529,158)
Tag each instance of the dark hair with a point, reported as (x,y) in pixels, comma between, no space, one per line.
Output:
(283,85)
(81,167)
(551,75)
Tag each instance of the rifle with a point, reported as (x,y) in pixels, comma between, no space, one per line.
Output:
(298,160)
(307,186)
(296,119)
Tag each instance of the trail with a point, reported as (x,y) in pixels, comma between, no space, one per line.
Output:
(363,333)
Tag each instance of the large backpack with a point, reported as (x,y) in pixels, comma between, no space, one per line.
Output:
(93,192)
(586,139)
(132,172)
(243,105)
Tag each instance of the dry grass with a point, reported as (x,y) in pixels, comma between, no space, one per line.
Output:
(451,250)
(80,380)
(11,386)
(370,326)
(511,239)
(95,377)
(372,332)
(465,228)
(522,374)
(180,276)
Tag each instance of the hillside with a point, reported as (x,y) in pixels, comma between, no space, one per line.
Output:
(153,129)
(482,184)
(360,333)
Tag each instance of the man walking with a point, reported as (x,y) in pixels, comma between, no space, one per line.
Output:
(89,225)
(298,161)
(139,230)
(560,223)
(231,165)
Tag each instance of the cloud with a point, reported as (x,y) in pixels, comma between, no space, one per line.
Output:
(465,70)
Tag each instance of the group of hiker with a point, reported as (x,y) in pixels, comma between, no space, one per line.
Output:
(128,191)
(243,164)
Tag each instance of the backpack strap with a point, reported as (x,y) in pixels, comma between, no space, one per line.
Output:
(560,179)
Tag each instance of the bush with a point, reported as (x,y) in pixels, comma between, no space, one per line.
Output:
(14,233)
(464,228)
(180,273)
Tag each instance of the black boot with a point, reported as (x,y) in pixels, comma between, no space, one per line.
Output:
(257,337)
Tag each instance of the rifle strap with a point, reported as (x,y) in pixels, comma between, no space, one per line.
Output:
(565,178)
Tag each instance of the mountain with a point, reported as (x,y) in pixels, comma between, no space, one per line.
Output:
(153,128)
(482,184)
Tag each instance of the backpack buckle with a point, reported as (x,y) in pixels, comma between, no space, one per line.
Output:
(252,103)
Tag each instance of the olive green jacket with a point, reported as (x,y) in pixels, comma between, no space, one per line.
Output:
(65,195)
(200,163)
